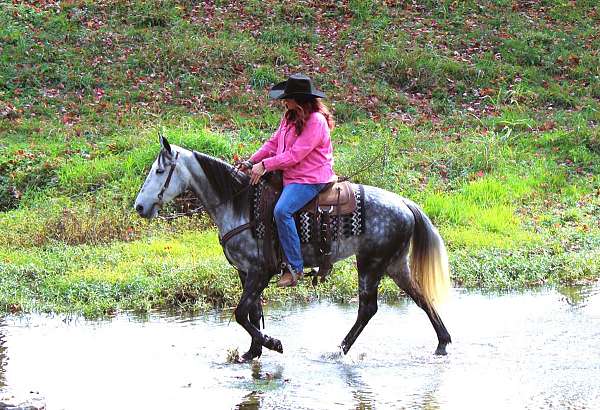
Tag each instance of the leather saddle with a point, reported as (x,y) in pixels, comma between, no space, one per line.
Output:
(336,198)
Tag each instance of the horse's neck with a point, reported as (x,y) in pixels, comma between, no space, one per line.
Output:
(219,209)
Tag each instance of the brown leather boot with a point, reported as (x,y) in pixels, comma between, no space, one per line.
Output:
(286,280)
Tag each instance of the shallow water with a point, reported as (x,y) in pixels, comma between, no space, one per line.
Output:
(519,350)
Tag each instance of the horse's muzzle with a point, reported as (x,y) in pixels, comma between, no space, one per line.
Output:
(140,209)
(147,212)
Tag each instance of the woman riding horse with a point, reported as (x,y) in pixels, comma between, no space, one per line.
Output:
(399,240)
(301,148)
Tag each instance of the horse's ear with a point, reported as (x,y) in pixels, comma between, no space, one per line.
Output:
(165,144)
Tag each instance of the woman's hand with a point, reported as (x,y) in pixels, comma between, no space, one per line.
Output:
(245,166)
(258,170)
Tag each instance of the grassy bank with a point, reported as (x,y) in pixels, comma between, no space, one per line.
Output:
(186,271)
(181,271)
(486,114)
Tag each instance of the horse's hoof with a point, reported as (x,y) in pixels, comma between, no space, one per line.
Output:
(441,350)
(345,348)
(273,344)
(249,356)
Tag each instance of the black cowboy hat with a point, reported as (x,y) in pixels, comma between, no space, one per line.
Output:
(297,85)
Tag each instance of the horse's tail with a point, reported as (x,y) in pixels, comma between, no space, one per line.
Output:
(428,257)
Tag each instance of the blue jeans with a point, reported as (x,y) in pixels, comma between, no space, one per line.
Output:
(292,199)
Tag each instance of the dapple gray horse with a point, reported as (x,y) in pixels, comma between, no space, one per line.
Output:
(394,225)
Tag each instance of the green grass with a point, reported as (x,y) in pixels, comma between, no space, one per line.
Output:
(183,270)
(485,114)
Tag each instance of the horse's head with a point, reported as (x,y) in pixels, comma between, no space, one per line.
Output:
(164,182)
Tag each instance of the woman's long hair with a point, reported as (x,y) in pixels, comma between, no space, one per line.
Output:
(306,106)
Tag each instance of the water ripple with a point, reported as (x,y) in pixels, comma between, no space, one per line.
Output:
(511,350)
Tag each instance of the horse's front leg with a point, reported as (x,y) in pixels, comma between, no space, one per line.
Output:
(254,315)
(255,284)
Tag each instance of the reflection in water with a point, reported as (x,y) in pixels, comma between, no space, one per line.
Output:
(429,398)
(361,393)
(261,381)
(521,350)
(578,295)
(251,401)
(2,353)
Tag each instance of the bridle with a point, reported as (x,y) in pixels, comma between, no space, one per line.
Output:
(168,180)
(229,234)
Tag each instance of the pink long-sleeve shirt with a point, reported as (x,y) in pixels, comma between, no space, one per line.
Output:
(306,158)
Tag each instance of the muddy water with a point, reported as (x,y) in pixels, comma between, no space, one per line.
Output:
(526,350)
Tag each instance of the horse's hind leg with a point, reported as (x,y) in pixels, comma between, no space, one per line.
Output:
(403,279)
(255,284)
(368,278)
(254,315)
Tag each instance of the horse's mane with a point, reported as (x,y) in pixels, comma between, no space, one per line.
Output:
(228,183)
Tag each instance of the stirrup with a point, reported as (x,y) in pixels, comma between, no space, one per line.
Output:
(288,270)
(287,280)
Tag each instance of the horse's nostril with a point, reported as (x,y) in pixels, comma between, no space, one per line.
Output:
(139,208)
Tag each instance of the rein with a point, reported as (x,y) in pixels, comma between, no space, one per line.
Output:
(225,238)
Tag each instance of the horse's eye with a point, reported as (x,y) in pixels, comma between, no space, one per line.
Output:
(160,170)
